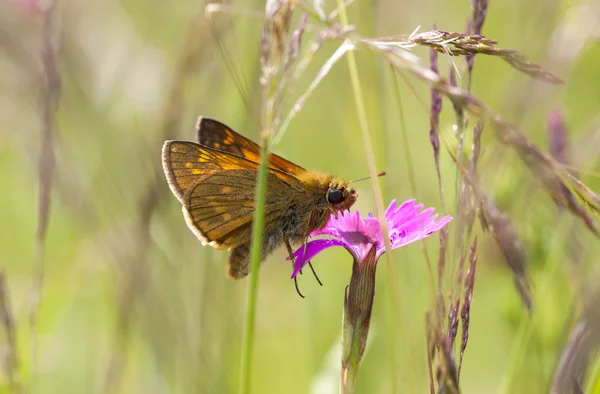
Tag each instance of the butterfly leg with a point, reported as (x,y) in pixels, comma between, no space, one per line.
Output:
(311,220)
(291,253)
(310,264)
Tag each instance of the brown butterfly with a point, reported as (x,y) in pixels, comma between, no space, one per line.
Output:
(215,181)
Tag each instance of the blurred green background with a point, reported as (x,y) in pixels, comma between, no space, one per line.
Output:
(131,302)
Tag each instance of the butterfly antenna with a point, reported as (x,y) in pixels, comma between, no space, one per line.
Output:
(367,177)
(315,273)
(297,288)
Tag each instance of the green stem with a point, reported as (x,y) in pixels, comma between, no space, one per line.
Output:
(358,305)
(255,257)
(348,379)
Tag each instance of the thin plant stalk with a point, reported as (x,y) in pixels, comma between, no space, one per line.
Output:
(11,358)
(362,116)
(269,88)
(405,144)
(255,257)
(411,172)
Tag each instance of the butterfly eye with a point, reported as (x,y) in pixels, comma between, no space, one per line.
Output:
(335,196)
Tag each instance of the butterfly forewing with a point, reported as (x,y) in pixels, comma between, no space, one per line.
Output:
(185,163)
(216,135)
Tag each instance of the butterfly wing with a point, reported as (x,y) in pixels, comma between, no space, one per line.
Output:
(219,208)
(216,135)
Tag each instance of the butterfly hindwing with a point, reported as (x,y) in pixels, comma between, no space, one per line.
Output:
(219,209)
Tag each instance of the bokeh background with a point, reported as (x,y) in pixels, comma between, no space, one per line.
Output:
(131,303)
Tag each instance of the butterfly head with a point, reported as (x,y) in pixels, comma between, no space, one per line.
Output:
(340,196)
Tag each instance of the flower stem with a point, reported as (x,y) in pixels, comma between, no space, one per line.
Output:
(348,379)
(358,305)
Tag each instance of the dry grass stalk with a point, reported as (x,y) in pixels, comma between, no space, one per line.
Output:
(434,123)
(46,165)
(462,44)
(11,361)
(458,110)
(474,26)
(438,344)
(447,376)
(276,59)
(430,329)
(441,265)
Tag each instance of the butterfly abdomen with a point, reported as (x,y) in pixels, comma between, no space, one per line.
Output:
(239,259)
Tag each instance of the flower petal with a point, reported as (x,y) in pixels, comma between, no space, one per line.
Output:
(437,226)
(416,228)
(313,248)
(404,212)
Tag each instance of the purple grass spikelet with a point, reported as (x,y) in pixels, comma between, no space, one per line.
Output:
(453,320)
(465,313)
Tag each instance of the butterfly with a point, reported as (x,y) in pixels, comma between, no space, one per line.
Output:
(215,181)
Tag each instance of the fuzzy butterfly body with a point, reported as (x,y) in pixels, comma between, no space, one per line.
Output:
(215,181)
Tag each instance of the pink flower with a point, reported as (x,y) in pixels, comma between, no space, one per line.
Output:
(406,224)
